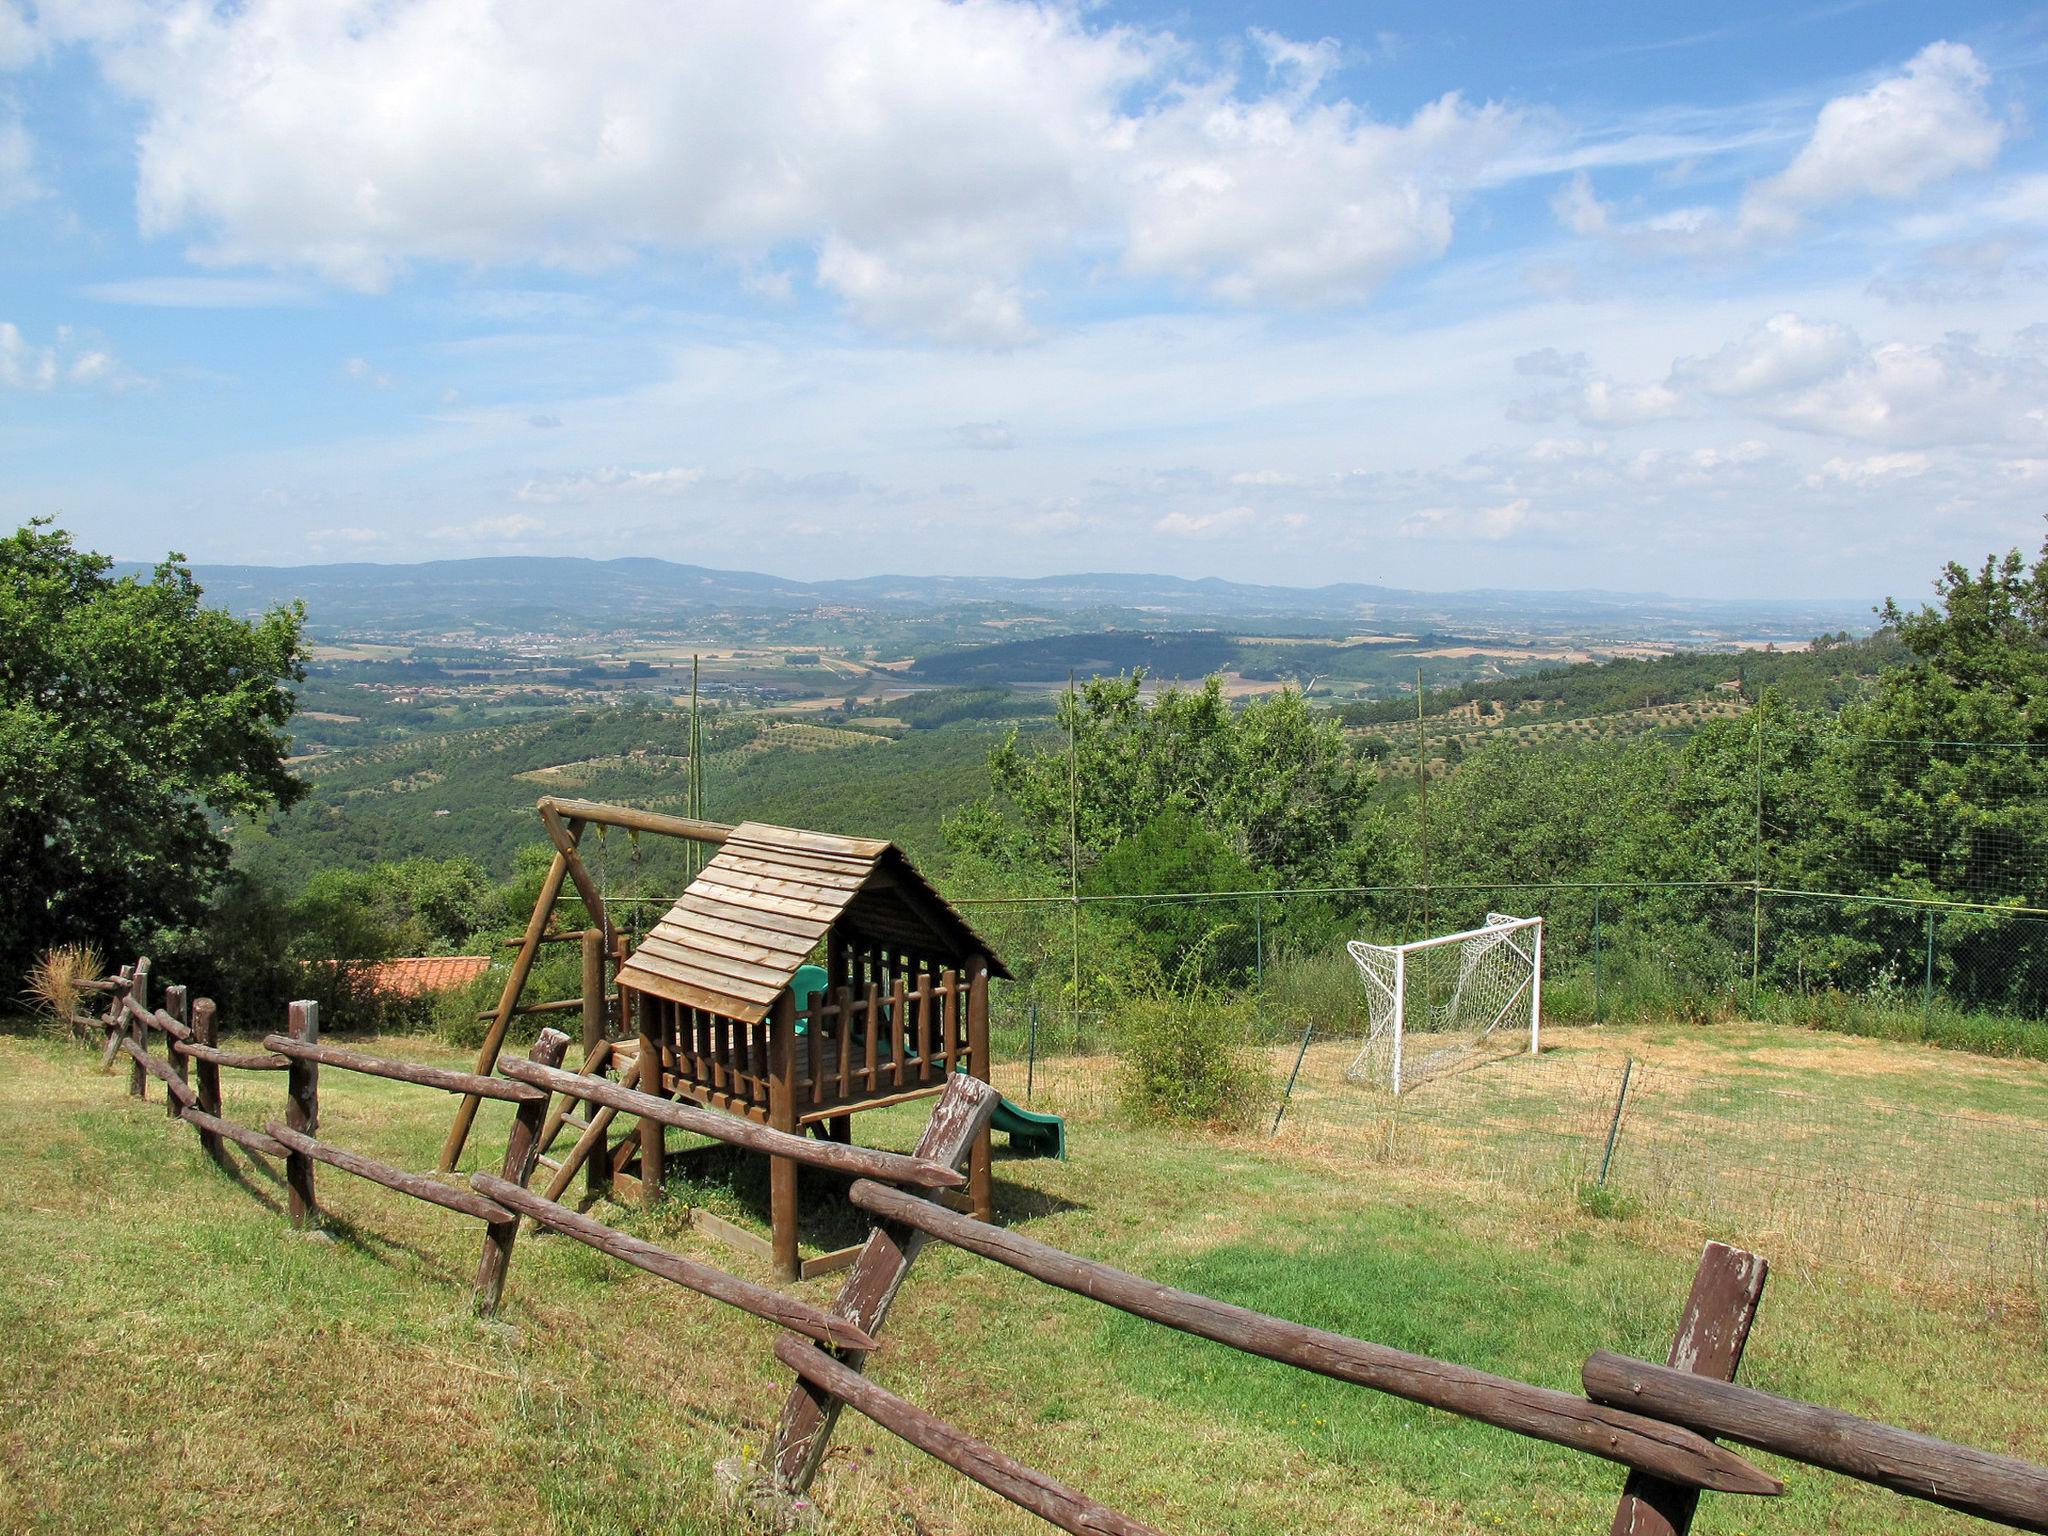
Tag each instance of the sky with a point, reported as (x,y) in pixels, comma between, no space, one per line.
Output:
(1718,300)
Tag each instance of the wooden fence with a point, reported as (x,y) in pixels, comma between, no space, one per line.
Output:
(1660,1422)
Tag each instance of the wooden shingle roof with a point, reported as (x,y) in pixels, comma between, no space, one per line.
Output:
(735,938)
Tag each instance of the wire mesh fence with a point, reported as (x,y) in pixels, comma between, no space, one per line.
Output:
(1829,1167)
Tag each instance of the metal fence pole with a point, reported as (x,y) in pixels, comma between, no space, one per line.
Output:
(1927,979)
(1259,942)
(1284,1097)
(1031,1053)
(1628,1067)
(1598,1016)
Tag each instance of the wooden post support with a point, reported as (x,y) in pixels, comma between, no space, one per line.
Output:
(805,1432)
(112,1019)
(138,992)
(206,1030)
(594,1032)
(522,1151)
(1711,1334)
(653,1134)
(782,1110)
(597,1178)
(981,1190)
(302,1113)
(175,1006)
(508,1000)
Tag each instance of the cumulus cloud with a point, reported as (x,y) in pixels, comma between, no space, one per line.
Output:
(609,481)
(1205,525)
(931,155)
(489,532)
(1923,125)
(1868,471)
(1927,123)
(1782,353)
(63,362)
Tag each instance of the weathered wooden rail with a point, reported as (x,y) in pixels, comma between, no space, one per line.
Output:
(1661,1422)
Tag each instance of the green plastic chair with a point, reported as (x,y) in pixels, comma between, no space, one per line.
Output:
(808,982)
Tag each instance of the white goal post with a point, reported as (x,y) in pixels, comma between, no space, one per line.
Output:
(1436,1003)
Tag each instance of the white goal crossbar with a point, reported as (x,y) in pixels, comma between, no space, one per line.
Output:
(1498,965)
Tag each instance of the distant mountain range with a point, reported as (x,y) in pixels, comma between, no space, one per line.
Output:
(564,594)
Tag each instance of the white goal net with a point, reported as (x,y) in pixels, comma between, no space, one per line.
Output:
(1438,1004)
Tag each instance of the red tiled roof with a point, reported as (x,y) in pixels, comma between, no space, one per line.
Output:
(427,973)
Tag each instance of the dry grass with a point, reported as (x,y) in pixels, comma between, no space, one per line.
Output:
(172,1359)
(53,983)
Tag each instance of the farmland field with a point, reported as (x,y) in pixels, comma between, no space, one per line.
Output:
(175,1360)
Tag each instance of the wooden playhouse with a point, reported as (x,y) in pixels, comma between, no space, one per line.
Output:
(800,979)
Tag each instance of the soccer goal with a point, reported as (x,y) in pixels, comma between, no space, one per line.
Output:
(1437,1004)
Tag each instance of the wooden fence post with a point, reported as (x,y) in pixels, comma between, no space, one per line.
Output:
(1711,1334)
(805,1432)
(302,1113)
(522,1151)
(116,1021)
(981,1188)
(206,1030)
(138,993)
(175,1006)
(653,1134)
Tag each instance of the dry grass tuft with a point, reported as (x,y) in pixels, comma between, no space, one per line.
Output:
(53,983)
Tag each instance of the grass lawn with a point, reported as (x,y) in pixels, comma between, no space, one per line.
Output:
(174,1359)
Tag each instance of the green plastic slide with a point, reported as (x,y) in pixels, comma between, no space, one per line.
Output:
(1031,1134)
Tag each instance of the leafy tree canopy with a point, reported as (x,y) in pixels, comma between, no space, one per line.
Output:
(131,719)
(1272,779)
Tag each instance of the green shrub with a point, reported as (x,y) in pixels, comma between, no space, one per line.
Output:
(1193,1059)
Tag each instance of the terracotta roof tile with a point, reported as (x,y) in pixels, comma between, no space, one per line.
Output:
(419,974)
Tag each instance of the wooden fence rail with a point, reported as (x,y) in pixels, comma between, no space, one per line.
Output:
(1659,1421)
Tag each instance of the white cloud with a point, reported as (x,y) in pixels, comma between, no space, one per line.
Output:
(1276,201)
(1603,402)
(199,292)
(41,367)
(613,481)
(1578,210)
(512,528)
(932,155)
(1907,395)
(360,370)
(1923,125)
(1782,353)
(1880,466)
(1205,525)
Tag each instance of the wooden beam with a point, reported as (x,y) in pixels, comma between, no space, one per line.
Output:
(759,1300)
(522,1148)
(515,983)
(565,839)
(805,1431)
(1541,1413)
(445,1079)
(858,1162)
(687,827)
(466,1202)
(1961,1477)
(302,1112)
(1711,1333)
(1051,1501)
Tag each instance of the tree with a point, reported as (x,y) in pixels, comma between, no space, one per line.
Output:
(133,720)
(1273,779)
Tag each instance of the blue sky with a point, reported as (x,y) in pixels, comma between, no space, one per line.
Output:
(1730,300)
